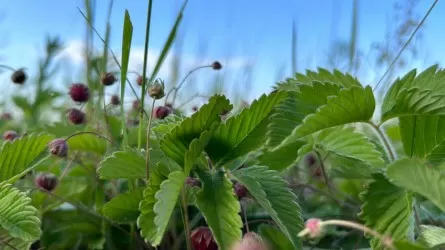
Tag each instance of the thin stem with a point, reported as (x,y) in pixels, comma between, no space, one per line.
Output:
(147,156)
(406,43)
(144,70)
(17,177)
(246,223)
(182,83)
(185,219)
(7,67)
(89,132)
(383,139)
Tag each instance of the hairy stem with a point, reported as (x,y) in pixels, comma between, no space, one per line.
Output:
(147,155)
(185,218)
(384,140)
(89,132)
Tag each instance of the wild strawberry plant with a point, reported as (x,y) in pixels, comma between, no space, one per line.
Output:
(315,161)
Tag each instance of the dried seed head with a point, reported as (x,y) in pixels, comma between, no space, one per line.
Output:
(46,181)
(240,190)
(251,241)
(76,116)
(115,100)
(162,111)
(202,239)
(192,182)
(58,147)
(6,117)
(10,135)
(216,65)
(108,79)
(79,92)
(19,76)
(156,89)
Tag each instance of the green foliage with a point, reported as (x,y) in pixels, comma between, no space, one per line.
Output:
(275,238)
(244,132)
(128,164)
(17,156)
(176,143)
(87,143)
(388,210)
(281,158)
(271,193)
(17,215)
(432,236)
(415,176)
(124,207)
(220,208)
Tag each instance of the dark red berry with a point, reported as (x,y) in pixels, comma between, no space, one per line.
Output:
(58,147)
(6,117)
(310,160)
(10,135)
(108,79)
(192,182)
(79,92)
(136,105)
(202,239)
(240,190)
(162,111)
(76,116)
(19,76)
(216,65)
(46,181)
(115,100)
(139,80)
(194,108)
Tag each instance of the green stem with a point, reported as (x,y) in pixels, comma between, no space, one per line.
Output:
(185,219)
(144,70)
(147,156)
(88,132)
(17,177)
(384,140)
(7,67)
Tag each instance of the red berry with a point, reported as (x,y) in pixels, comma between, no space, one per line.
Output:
(79,92)
(19,76)
(10,135)
(216,65)
(58,147)
(108,79)
(139,80)
(76,116)
(115,100)
(46,181)
(202,239)
(192,182)
(194,108)
(240,190)
(162,111)
(6,117)
(310,160)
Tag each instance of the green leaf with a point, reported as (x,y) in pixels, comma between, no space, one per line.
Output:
(271,192)
(17,216)
(145,220)
(18,155)
(388,210)
(88,143)
(126,48)
(177,142)
(124,207)
(166,199)
(407,245)
(128,164)
(354,104)
(282,157)
(8,241)
(417,177)
(275,237)
(196,148)
(423,136)
(220,208)
(323,75)
(244,132)
(431,236)
(345,141)
(290,113)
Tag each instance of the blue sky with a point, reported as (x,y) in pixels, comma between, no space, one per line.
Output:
(236,32)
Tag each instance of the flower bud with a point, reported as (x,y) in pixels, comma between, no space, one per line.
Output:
(58,147)
(19,76)
(46,181)
(156,89)
(313,228)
